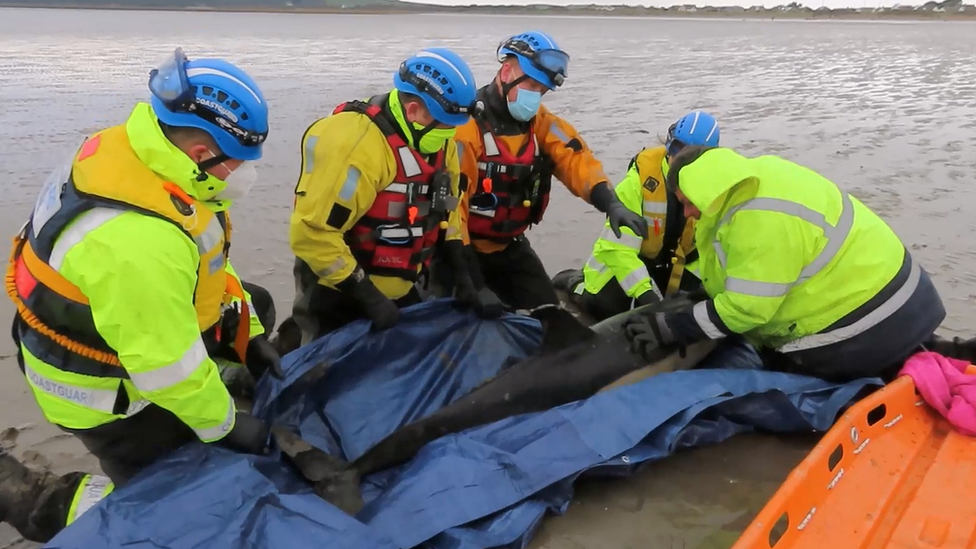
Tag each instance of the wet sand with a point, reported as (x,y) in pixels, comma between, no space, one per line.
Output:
(697,499)
(885,110)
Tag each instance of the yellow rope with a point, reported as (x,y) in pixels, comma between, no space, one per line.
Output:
(35,323)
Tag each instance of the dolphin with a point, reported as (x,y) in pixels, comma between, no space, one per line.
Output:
(574,362)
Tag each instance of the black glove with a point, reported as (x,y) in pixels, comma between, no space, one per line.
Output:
(605,200)
(649,297)
(261,357)
(470,286)
(380,309)
(250,435)
(648,333)
(484,301)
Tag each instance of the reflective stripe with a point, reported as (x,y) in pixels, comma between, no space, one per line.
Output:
(483,213)
(870,320)
(628,240)
(335,267)
(171,374)
(410,166)
(401,188)
(93,489)
(722,259)
(836,235)
(655,207)
(214,433)
(560,134)
(310,153)
(491,148)
(442,59)
(84,224)
(349,186)
(634,278)
(399,209)
(213,236)
(596,264)
(756,288)
(700,311)
(191,72)
(415,232)
(102,400)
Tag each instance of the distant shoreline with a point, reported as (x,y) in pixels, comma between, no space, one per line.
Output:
(543,10)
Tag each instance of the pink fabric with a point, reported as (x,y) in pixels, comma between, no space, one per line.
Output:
(948,385)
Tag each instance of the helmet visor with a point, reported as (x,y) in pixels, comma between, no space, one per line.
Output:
(672,145)
(553,63)
(169,83)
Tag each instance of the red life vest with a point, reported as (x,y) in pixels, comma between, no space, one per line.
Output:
(399,231)
(512,192)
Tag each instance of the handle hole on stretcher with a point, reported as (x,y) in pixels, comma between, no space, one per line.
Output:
(779,528)
(877,414)
(835,457)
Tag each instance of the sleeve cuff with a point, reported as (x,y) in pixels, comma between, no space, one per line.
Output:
(701,322)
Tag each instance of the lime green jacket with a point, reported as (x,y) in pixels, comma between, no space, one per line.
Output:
(783,252)
(139,274)
(643,192)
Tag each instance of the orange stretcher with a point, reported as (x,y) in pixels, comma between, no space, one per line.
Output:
(891,473)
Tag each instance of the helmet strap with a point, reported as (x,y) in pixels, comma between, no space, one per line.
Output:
(210,163)
(507,87)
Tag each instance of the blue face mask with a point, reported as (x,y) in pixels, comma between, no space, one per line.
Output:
(525,106)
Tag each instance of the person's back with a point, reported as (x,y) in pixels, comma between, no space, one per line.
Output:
(799,267)
(855,246)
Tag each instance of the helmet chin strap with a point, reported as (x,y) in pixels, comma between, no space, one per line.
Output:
(210,163)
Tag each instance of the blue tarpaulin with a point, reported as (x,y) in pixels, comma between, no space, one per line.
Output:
(487,487)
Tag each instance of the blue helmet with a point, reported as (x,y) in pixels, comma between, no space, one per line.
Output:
(539,57)
(695,128)
(443,81)
(214,96)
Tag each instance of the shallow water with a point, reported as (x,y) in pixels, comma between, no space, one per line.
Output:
(885,109)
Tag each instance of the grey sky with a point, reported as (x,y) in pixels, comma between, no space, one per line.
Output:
(768,3)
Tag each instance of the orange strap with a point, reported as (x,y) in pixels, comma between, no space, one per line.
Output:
(34,322)
(51,278)
(243,335)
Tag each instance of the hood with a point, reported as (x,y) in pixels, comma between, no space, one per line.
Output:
(166,159)
(707,179)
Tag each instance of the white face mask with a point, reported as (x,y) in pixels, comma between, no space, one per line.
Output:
(239,182)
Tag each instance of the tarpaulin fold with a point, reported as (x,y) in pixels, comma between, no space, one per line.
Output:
(487,487)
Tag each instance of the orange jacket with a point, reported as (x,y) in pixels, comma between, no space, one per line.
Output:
(574,163)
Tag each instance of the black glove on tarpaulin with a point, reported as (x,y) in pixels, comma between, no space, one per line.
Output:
(261,357)
(469,293)
(605,200)
(380,309)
